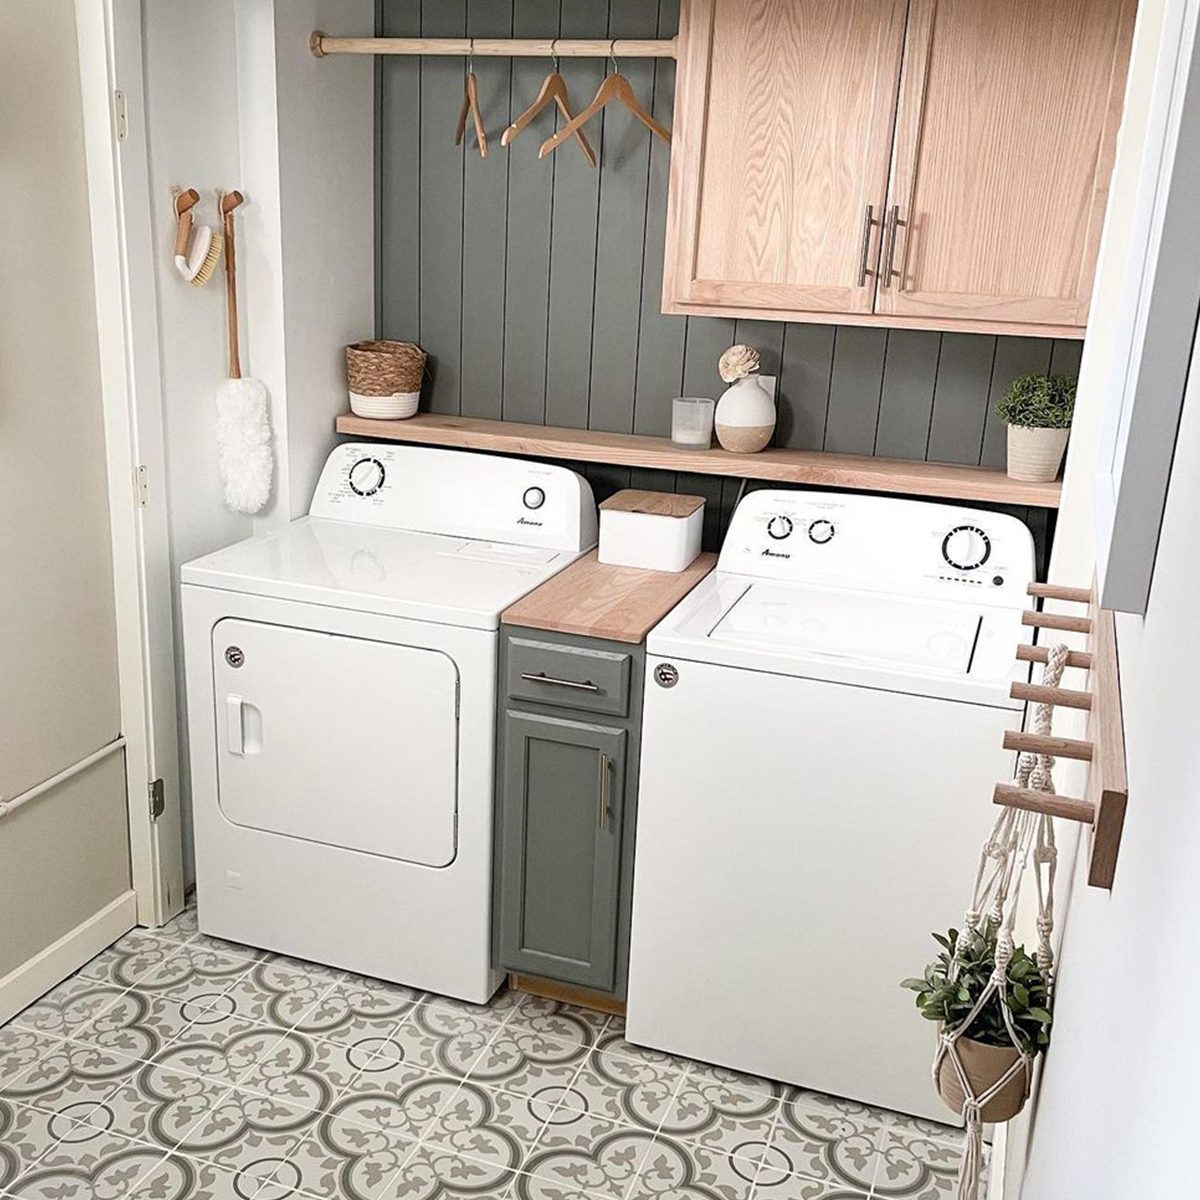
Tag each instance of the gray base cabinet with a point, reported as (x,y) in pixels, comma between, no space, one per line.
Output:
(569,719)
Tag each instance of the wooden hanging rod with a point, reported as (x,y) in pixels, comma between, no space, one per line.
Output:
(321,45)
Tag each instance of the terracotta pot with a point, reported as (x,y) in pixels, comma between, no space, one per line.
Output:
(984,1065)
(1034,455)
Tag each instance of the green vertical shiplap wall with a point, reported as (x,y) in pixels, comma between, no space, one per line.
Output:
(535,285)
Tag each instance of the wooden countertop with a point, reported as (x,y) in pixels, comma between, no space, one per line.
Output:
(621,604)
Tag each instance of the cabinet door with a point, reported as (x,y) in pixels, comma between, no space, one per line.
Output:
(783,128)
(562,812)
(1004,146)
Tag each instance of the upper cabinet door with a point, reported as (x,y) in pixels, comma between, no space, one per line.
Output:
(783,130)
(1004,145)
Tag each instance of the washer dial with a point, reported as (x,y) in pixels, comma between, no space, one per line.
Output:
(366,476)
(821,531)
(533,498)
(779,528)
(966,547)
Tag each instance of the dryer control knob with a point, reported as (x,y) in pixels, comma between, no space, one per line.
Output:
(534,498)
(779,528)
(366,476)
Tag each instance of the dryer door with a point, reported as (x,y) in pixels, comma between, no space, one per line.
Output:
(337,740)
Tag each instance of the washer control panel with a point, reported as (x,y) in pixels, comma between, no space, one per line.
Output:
(881,543)
(457,493)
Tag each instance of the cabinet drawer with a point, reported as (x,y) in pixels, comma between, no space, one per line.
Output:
(568,676)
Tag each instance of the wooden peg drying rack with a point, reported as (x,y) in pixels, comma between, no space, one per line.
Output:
(321,45)
(1107,792)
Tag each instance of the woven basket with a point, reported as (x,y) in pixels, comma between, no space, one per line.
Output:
(384,368)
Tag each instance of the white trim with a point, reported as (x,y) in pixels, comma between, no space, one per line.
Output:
(138,541)
(48,785)
(37,975)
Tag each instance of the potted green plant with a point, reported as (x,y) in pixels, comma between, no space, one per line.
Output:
(1037,410)
(948,992)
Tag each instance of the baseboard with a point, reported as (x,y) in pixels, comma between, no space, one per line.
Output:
(550,989)
(33,978)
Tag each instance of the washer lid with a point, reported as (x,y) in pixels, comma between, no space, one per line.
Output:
(426,577)
(866,627)
(942,649)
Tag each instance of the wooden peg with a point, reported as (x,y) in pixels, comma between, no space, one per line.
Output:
(1056,747)
(1045,803)
(1060,697)
(1041,654)
(1056,591)
(1044,620)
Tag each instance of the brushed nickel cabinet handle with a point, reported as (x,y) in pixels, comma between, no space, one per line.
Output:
(890,267)
(865,256)
(605,792)
(541,677)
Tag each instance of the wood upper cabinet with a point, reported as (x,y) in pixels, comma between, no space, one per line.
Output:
(923,163)
(1004,146)
(783,130)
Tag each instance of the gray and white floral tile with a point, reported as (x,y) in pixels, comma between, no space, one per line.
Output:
(175,1066)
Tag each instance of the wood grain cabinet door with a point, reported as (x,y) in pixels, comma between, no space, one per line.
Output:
(783,129)
(1005,138)
(563,808)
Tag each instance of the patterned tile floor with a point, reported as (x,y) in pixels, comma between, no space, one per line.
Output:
(177,1067)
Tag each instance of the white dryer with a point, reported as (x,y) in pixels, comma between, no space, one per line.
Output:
(823,728)
(341,681)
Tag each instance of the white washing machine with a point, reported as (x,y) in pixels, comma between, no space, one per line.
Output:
(341,680)
(823,728)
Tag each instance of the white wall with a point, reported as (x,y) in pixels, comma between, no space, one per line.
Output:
(1113,1113)
(234,99)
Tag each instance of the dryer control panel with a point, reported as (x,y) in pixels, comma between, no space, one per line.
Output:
(455,492)
(881,543)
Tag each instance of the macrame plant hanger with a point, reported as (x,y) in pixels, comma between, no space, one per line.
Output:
(1017,837)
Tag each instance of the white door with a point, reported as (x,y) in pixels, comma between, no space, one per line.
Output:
(338,740)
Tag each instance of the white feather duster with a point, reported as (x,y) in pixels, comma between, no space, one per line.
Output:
(244,444)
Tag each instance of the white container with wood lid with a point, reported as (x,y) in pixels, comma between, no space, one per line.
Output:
(658,531)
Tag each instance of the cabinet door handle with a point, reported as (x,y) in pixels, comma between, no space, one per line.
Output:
(865,256)
(541,677)
(890,266)
(604,792)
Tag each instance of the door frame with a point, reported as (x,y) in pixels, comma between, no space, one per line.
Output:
(109,37)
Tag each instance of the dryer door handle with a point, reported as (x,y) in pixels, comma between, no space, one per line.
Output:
(235,735)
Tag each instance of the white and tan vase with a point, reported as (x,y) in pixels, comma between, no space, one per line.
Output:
(984,1066)
(1034,455)
(745,418)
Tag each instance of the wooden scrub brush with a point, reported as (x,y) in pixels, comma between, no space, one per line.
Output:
(197,247)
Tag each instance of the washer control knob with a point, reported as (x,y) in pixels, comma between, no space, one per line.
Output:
(666,675)
(534,498)
(366,476)
(779,528)
(821,531)
(966,547)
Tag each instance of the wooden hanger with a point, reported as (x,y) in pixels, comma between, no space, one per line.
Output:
(555,88)
(470,105)
(614,87)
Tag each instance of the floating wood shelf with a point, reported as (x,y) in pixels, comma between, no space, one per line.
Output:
(1103,805)
(941,480)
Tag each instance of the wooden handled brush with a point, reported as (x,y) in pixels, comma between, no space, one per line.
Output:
(227,202)
(197,247)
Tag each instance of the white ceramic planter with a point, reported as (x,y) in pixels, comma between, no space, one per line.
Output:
(1034,455)
(745,417)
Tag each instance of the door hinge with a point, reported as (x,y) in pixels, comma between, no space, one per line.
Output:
(120,115)
(143,487)
(158,799)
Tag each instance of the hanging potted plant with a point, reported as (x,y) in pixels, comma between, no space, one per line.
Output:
(949,993)
(1037,410)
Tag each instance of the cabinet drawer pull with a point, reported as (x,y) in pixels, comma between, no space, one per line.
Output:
(890,268)
(865,257)
(541,677)
(605,792)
